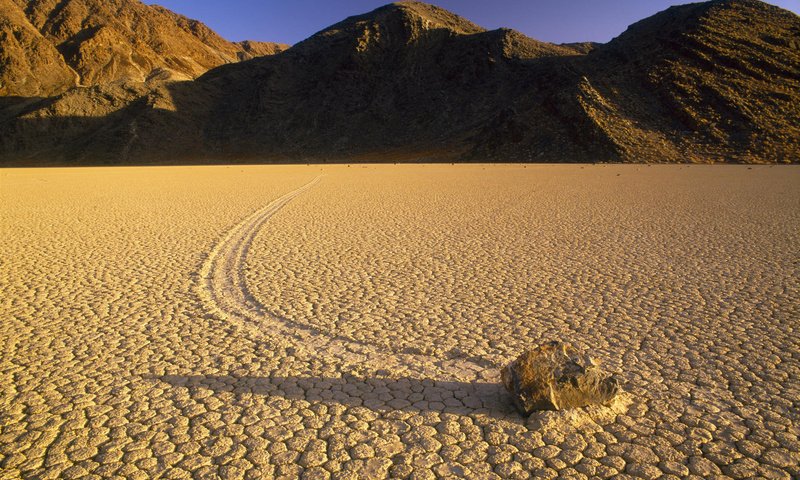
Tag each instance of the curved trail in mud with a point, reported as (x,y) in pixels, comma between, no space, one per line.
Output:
(224,290)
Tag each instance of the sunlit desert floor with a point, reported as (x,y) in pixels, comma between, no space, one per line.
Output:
(350,321)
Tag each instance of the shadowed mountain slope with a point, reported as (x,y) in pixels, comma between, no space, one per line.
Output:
(715,81)
(403,75)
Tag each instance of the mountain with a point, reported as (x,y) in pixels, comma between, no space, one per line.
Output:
(716,80)
(52,45)
(29,63)
(711,82)
(407,74)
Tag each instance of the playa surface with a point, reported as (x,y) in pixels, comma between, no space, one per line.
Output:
(350,321)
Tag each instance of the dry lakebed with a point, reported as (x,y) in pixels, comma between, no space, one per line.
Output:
(351,321)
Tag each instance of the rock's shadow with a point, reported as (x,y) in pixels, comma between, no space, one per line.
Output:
(378,394)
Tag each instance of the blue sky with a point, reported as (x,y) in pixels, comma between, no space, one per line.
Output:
(558,21)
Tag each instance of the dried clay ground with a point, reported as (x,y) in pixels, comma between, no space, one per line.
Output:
(349,322)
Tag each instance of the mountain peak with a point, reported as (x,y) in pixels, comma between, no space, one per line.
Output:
(409,19)
(90,42)
(436,17)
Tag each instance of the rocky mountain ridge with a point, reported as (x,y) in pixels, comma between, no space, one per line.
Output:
(50,46)
(711,82)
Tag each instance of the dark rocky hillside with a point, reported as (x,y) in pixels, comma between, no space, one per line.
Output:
(709,82)
(717,80)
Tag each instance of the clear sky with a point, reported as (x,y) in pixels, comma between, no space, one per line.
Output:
(557,21)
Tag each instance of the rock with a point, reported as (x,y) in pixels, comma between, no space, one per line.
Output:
(555,376)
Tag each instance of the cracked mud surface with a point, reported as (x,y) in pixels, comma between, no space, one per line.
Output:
(348,322)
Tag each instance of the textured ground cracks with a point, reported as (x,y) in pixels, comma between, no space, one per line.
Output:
(349,321)
(224,289)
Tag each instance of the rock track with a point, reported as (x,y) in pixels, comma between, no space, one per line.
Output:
(224,290)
